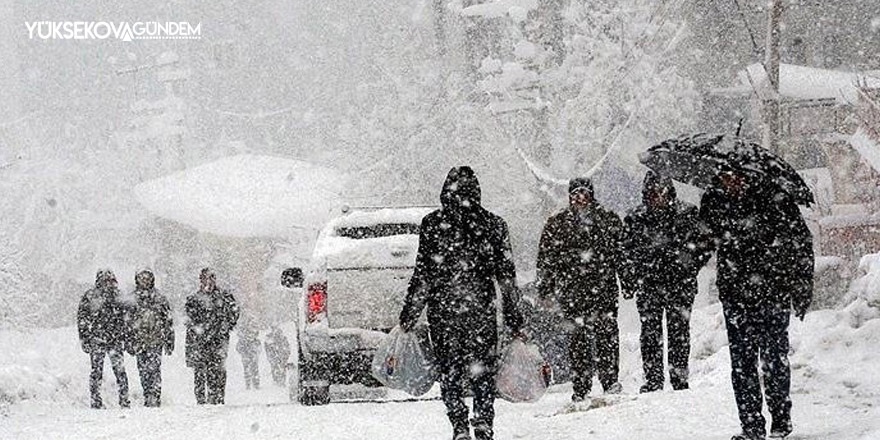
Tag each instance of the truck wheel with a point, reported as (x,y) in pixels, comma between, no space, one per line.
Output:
(310,389)
(314,395)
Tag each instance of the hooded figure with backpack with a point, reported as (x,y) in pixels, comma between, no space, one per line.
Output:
(152,333)
(211,315)
(579,260)
(463,251)
(665,251)
(102,321)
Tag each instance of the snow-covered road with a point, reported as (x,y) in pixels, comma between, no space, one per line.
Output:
(706,413)
(43,395)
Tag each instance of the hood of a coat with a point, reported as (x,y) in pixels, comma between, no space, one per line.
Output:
(461,189)
(581,183)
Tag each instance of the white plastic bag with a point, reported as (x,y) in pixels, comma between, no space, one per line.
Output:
(523,375)
(404,361)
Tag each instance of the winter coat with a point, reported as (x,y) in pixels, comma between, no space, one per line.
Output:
(102,321)
(579,258)
(765,250)
(249,344)
(211,316)
(463,250)
(152,322)
(664,246)
(277,348)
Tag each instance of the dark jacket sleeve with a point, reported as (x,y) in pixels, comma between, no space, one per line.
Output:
(630,266)
(167,325)
(709,221)
(697,240)
(84,322)
(505,275)
(419,284)
(615,235)
(802,263)
(232,311)
(546,263)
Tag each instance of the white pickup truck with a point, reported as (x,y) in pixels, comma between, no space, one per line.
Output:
(355,288)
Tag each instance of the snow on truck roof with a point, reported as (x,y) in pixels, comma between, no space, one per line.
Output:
(375,216)
(246,196)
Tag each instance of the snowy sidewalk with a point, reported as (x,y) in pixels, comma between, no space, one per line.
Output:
(706,414)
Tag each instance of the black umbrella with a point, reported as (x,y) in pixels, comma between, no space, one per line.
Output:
(697,160)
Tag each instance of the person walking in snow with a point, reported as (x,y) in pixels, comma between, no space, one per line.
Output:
(277,352)
(765,269)
(211,315)
(579,260)
(102,321)
(249,347)
(664,250)
(463,251)
(152,333)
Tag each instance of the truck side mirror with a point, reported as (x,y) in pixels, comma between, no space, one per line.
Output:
(292,278)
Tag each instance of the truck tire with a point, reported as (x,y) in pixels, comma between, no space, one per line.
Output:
(311,390)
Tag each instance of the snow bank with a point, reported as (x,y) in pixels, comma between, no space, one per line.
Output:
(246,196)
(867,287)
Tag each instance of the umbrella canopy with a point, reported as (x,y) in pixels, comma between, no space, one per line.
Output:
(246,196)
(697,160)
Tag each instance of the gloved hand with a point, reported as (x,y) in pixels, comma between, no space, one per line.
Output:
(800,309)
(407,326)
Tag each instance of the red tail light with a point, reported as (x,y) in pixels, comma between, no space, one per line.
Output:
(317,300)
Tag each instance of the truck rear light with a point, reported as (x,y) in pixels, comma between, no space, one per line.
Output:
(317,301)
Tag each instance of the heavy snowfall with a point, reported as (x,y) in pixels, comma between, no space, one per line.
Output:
(435,219)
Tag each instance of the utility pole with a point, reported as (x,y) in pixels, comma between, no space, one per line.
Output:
(771,65)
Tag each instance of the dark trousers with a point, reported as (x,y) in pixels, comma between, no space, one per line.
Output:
(454,373)
(677,308)
(251,367)
(759,333)
(149,365)
(594,348)
(97,376)
(210,379)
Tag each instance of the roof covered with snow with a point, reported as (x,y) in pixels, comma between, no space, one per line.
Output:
(801,82)
(246,196)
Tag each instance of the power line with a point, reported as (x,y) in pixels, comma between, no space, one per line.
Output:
(745,21)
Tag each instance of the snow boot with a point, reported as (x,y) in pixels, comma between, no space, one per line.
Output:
(780,429)
(747,436)
(615,388)
(650,388)
(482,430)
(577,398)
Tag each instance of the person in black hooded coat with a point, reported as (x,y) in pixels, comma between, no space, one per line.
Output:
(463,251)
(103,324)
(665,250)
(579,260)
(211,314)
(152,333)
(765,269)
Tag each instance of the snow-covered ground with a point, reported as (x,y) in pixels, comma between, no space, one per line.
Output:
(836,392)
